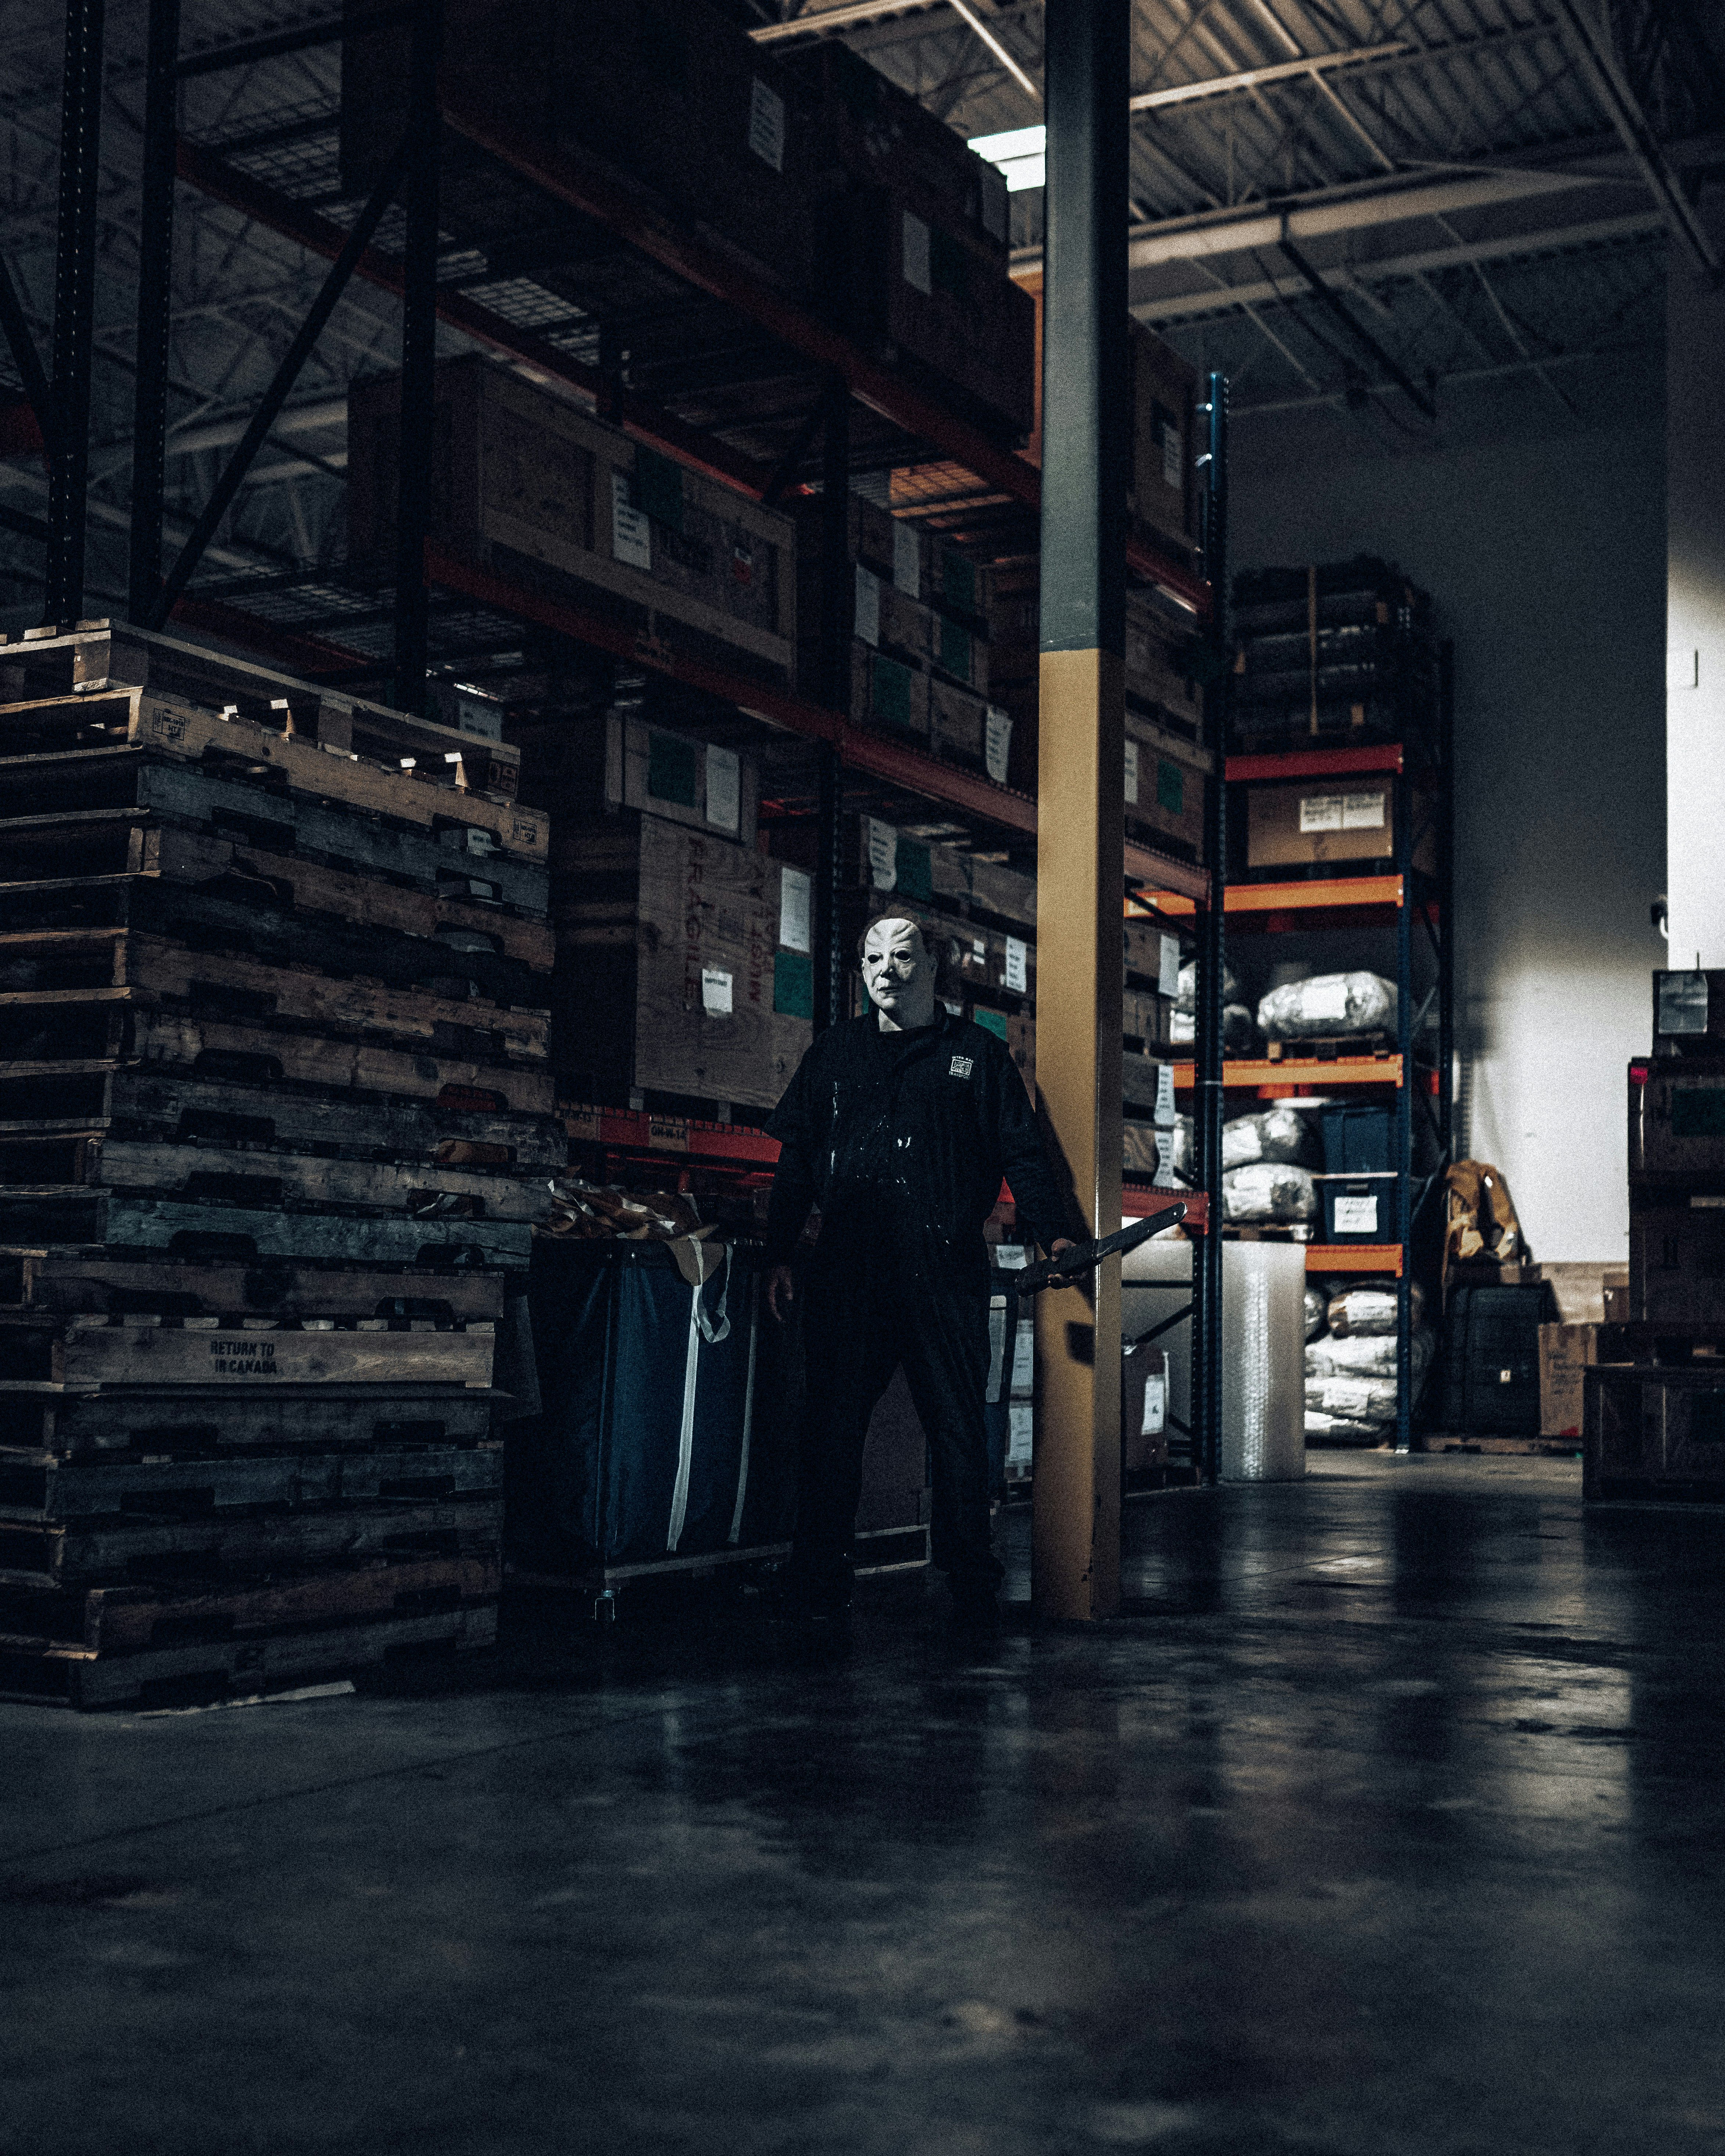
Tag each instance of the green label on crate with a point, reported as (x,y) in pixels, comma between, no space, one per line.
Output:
(990,1021)
(793,984)
(955,648)
(673,770)
(1698,1111)
(1170,787)
(658,488)
(959,580)
(915,877)
(890,699)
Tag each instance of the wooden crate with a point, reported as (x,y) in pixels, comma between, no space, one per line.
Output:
(1676,1116)
(672,977)
(99,655)
(1655,1432)
(887,863)
(529,486)
(1677,1267)
(236,1230)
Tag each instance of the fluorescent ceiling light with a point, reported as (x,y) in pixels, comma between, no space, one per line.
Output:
(1020,156)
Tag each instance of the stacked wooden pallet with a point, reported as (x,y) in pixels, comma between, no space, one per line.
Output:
(274,1128)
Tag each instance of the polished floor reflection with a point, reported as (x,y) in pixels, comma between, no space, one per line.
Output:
(1389,1823)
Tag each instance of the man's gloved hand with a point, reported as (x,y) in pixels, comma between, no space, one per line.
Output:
(1059,1243)
(781,1292)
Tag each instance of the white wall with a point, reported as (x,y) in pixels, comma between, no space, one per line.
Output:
(1695,714)
(1547,559)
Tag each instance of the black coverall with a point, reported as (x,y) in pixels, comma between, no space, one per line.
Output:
(902,1140)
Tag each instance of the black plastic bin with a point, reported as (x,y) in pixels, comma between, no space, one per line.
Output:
(1491,1361)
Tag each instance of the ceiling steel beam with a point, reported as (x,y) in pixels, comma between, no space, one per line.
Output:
(1591,45)
(1221,85)
(1175,306)
(818,21)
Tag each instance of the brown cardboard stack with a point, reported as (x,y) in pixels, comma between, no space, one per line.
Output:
(528,488)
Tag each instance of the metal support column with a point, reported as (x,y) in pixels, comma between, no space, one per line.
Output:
(155,250)
(837,604)
(1081,842)
(1406,1042)
(74,308)
(1211,954)
(1446,901)
(419,359)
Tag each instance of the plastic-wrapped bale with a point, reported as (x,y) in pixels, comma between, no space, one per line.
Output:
(1322,1429)
(1278,1134)
(1186,995)
(1366,1307)
(1314,1313)
(1362,1399)
(1240,1029)
(1366,1355)
(1269,1194)
(1326,1006)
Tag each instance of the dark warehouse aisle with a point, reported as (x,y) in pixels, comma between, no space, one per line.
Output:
(1391,1823)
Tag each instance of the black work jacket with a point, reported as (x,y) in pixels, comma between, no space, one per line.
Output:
(904,1152)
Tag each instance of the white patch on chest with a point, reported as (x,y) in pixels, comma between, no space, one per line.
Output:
(961,1066)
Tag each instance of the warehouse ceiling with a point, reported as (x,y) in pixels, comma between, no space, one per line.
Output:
(1372,211)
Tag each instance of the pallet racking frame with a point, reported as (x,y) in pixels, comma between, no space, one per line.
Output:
(906,426)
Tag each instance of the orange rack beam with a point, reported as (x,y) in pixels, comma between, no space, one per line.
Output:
(1302,1077)
(1328,892)
(1354,1258)
(737,1144)
(1319,762)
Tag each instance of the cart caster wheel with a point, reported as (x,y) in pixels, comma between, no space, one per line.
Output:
(604,1607)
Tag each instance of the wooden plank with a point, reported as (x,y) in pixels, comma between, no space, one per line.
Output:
(417,1189)
(122,1221)
(117,1351)
(131,847)
(453,858)
(35,1669)
(38,1421)
(118,717)
(116,654)
(204,1047)
(45,1282)
(244,914)
(40,1555)
(149,971)
(166,1110)
(42,1486)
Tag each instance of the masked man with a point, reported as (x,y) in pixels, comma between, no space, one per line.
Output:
(898,1127)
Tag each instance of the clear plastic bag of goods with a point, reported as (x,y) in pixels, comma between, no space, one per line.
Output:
(1363,1400)
(1315,1310)
(1366,1355)
(1322,1429)
(1367,1306)
(1282,1134)
(1328,1004)
(1186,997)
(1240,1030)
(1269,1194)
(1263,1436)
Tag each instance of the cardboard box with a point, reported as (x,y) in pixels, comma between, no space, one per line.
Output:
(1320,821)
(1163,497)
(1566,1352)
(1165,785)
(525,484)
(673,975)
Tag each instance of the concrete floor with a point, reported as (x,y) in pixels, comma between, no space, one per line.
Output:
(1395,1823)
